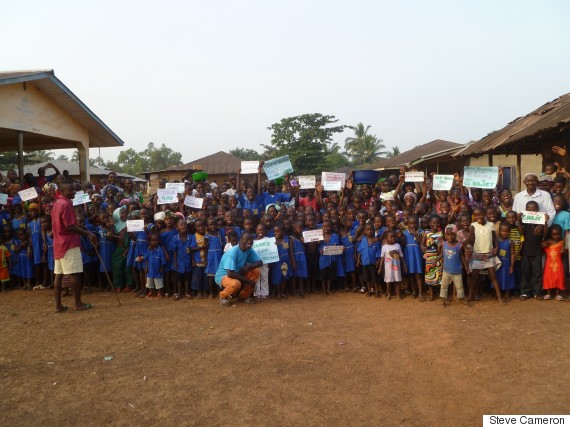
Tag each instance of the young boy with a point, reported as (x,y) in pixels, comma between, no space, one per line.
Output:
(453,261)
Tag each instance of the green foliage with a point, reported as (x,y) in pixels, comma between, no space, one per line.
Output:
(152,158)
(63,158)
(364,148)
(393,152)
(9,159)
(307,139)
(245,153)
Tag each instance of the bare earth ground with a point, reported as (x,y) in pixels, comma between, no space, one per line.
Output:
(346,359)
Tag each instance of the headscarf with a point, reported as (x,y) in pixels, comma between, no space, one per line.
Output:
(159,216)
(119,223)
(33,206)
(411,194)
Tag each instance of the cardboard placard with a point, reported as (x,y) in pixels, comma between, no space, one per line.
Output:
(276,168)
(3,199)
(414,176)
(135,225)
(178,186)
(480,176)
(165,196)
(194,202)
(533,218)
(313,235)
(442,182)
(81,199)
(28,194)
(333,181)
(307,182)
(249,167)
(333,250)
(266,249)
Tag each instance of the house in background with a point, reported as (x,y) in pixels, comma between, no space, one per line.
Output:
(218,166)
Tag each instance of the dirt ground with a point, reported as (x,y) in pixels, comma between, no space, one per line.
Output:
(346,359)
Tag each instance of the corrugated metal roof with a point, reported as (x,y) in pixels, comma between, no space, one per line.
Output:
(45,80)
(416,153)
(548,116)
(215,164)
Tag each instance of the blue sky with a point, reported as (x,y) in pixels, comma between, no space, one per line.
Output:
(208,76)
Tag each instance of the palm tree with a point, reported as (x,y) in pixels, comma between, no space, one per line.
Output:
(363,147)
(40,156)
(395,151)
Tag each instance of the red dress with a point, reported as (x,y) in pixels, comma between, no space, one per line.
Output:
(553,277)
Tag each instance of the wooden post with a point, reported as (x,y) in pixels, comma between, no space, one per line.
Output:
(21,156)
(490,159)
(519,173)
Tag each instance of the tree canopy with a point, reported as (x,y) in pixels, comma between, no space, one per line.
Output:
(245,153)
(152,158)
(364,148)
(307,139)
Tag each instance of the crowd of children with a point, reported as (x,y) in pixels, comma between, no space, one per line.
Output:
(397,238)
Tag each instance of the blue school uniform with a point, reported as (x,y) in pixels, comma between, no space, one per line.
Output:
(12,245)
(300,258)
(369,254)
(348,261)
(378,233)
(154,259)
(18,223)
(256,207)
(224,231)
(354,226)
(49,258)
(25,264)
(166,240)
(269,199)
(281,269)
(505,279)
(214,256)
(88,254)
(131,254)
(413,254)
(141,244)
(106,249)
(36,240)
(182,250)
(327,260)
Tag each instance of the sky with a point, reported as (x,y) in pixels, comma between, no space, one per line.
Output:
(202,77)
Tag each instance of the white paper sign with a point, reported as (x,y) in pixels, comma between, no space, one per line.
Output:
(414,176)
(442,182)
(333,250)
(276,168)
(135,225)
(480,177)
(81,199)
(194,202)
(534,217)
(178,186)
(313,235)
(333,181)
(166,196)
(307,182)
(249,167)
(28,194)
(266,249)
(3,199)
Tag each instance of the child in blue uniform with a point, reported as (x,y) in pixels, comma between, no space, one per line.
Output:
(506,253)
(215,247)
(153,262)
(368,252)
(300,272)
(12,244)
(182,260)
(413,256)
(166,236)
(107,246)
(25,263)
(281,271)
(328,263)
(141,245)
(88,256)
(199,250)
(37,242)
(348,257)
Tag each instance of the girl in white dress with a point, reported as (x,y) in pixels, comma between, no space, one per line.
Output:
(392,261)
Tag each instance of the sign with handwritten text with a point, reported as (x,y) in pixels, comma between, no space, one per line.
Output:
(266,249)
(333,250)
(442,182)
(480,176)
(276,168)
(249,167)
(533,217)
(178,186)
(28,194)
(313,235)
(135,225)
(333,181)
(194,202)
(166,196)
(414,176)
(307,182)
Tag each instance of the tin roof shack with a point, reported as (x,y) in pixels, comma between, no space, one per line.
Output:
(218,166)
(38,112)
(525,144)
(433,156)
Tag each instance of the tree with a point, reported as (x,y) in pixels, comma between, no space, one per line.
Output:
(63,158)
(393,153)
(245,153)
(364,148)
(40,156)
(335,158)
(153,158)
(306,139)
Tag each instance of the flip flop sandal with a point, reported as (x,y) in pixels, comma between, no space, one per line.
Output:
(63,309)
(546,297)
(559,298)
(84,307)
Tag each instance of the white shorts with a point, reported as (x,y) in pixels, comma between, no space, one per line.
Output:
(71,263)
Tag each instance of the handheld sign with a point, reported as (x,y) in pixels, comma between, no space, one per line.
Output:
(135,225)
(166,196)
(333,250)
(333,181)
(178,186)
(194,202)
(28,194)
(3,199)
(249,167)
(307,182)
(266,249)
(414,176)
(534,218)
(81,199)
(313,235)
(276,168)
(480,177)
(442,182)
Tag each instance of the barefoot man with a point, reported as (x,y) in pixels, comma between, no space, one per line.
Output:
(66,246)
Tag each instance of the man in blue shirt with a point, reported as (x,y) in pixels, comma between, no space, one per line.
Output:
(239,269)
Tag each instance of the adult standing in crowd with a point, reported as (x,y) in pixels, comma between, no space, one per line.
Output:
(66,246)
(542,198)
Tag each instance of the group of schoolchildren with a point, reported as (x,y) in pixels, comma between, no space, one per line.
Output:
(398,238)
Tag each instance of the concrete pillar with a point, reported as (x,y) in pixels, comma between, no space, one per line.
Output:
(83,149)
